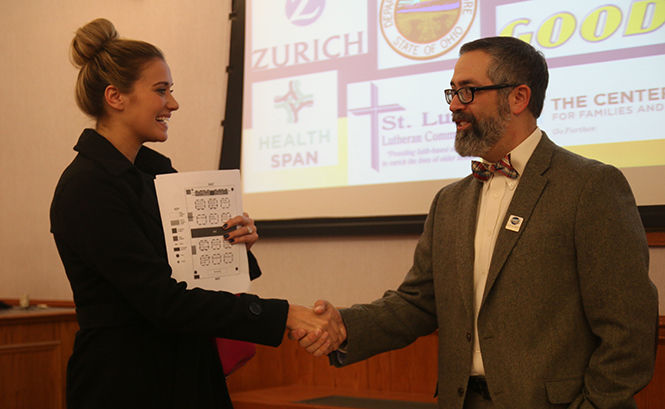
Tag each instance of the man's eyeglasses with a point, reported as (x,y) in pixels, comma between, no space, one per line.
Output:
(466,94)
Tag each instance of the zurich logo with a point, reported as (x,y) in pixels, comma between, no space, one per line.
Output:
(304,12)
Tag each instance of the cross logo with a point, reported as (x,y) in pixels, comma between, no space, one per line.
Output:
(293,101)
(373,111)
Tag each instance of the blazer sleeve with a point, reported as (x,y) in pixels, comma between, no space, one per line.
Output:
(619,300)
(400,316)
(95,221)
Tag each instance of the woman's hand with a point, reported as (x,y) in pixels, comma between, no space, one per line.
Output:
(241,230)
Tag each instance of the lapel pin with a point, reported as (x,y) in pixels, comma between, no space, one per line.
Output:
(514,223)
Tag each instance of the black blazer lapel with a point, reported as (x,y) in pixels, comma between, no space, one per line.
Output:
(526,197)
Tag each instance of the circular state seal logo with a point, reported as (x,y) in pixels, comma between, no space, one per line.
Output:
(425,29)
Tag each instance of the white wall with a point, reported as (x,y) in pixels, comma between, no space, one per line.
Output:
(355,270)
(40,124)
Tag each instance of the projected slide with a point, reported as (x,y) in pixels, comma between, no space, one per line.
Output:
(350,92)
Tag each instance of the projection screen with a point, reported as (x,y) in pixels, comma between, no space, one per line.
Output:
(343,112)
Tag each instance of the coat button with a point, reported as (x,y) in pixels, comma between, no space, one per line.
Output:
(255,308)
(460,391)
(469,336)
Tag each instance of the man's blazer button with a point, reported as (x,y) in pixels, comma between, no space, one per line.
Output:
(468,336)
(460,391)
(255,308)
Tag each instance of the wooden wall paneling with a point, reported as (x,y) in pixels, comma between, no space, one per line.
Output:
(380,372)
(322,374)
(353,377)
(35,345)
(17,332)
(273,367)
(305,371)
(656,238)
(411,371)
(415,368)
(31,375)
(285,366)
(265,370)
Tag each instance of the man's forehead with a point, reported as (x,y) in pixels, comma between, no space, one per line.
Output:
(471,68)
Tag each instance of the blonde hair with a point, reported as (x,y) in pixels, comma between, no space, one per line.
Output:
(104,59)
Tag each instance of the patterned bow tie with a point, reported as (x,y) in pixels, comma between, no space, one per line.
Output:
(483,171)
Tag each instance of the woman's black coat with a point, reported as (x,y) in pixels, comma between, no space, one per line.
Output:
(146,341)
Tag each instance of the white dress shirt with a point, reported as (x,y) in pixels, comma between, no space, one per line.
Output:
(496,194)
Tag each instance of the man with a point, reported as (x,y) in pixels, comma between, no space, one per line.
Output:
(534,270)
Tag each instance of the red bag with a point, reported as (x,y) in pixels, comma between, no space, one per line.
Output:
(234,354)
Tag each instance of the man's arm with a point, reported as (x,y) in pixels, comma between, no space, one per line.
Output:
(393,321)
(620,302)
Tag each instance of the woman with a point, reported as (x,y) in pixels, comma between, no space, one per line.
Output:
(146,341)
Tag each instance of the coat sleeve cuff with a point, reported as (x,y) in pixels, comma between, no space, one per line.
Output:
(254,269)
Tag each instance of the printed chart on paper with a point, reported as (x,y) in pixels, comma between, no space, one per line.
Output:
(194,207)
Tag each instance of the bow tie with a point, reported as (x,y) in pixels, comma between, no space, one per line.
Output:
(482,171)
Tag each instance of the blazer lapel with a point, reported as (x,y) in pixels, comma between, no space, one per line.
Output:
(526,196)
(466,222)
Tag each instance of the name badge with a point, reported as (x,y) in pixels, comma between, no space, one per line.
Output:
(514,223)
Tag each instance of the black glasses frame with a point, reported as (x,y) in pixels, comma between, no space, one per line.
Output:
(449,94)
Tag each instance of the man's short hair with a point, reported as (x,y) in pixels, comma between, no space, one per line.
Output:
(515,62)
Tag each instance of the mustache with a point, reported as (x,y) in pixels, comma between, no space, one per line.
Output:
(462,116)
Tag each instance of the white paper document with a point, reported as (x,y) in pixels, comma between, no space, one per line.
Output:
(194,207)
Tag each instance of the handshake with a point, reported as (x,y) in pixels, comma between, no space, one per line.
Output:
(319,330)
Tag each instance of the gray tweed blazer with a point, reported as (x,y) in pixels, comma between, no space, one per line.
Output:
(569,315)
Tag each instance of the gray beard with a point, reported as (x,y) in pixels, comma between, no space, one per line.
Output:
(483,134)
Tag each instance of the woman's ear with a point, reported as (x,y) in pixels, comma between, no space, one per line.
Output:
(114,98)
(520,98)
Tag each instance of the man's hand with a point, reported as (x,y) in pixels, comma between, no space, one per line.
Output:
(324,339)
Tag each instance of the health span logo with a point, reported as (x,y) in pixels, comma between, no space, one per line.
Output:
(293,101)
(425,29)
(304,12)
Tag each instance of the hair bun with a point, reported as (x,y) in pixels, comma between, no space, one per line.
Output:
(90,39)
